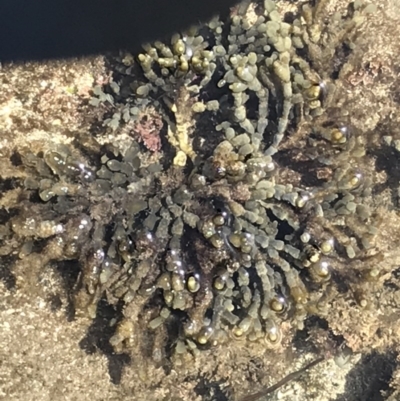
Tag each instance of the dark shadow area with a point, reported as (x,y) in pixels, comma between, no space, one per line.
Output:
(69,271)
(394,281)
(387,160)
(307,168)
(342,283)
(16,159)
(370,378)
(303,340)
(6,184)
(55,302)
(284,228)
(6,274)
(66,28)
(7,214)
(98,338)
(342,53)
(210,390)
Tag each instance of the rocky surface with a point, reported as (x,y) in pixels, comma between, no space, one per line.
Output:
(200,220)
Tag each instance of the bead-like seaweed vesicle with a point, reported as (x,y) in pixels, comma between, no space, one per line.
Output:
(231,196)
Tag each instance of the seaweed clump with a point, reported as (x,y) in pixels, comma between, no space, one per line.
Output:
(232,200)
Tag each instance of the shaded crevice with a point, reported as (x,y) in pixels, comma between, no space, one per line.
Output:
(210,390)
(370,378)
(303,339)
(6,274)
(69,271)
(98,338)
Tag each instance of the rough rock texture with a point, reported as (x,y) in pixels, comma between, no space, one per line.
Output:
(78,321)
